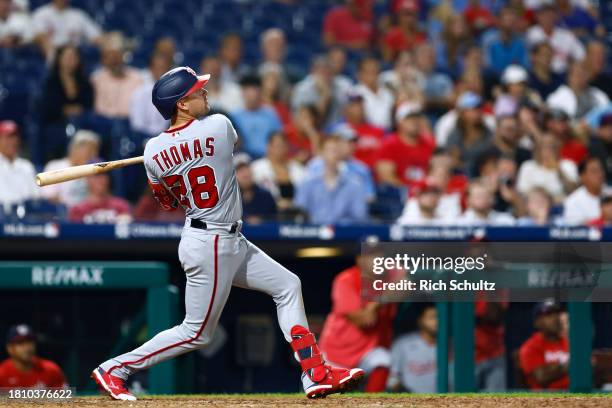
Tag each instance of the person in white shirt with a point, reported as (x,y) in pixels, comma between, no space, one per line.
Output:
(378,101)
(564,43)
(547,170)
(583,205)
(222,95)
(56,24)
(17,174)
(84,146)
(448,122)
(144,117)
(15,27)
(422,208)
(480,211)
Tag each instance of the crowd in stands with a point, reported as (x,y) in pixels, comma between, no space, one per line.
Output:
(416,112)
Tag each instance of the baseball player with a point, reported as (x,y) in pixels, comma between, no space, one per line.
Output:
(190,165)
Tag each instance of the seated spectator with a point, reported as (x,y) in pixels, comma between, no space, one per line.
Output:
(357,332)
(505,45)
(505,141)
(542,78)
(144,117)
(480,202)
(347,138)
(67,92)
(369,137)
(17,174)
(583,204)
(84,147)
(578,20)
(322,90)
(15,27)
(557,123)
(406,35)
(404,80)
(489,345)
(599,73)
(547,170)
(115,82)
(334,197)
(277,173)
(255,122)
(350,25)
(564,43)
(498,174)
(544,357)
(471,137)
(426,198)
(577,98)
(537,207)
(273,45)
(377,101)
(303,134)
(23,368)
(605,220)
(448,122)
(338,63)
(516,93)
(404,156)
(413,356)
(275,91)
(600,144)
(453,45)
(436,86)
(56,24)
(257,203)
(230,54)
(223,95)
(100,206)
(166,46)
(478,17)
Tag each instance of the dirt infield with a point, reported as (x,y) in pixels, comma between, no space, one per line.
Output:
(360,400)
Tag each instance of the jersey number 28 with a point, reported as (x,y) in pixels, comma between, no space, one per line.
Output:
(203,187)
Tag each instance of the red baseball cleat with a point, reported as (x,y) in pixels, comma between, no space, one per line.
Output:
(114,386)
(320,379)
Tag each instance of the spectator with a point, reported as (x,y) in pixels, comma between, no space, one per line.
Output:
(56,24)
(578,20)
(542,78)
(480,211)
(403,157)
(144,118)
(583,204)
(404,81)
(257,204)
(544,357)
(566,47)
(84,147)
(538,206)
(489,346)
(498,173)
(599,73)
(413,356)
(577,98)
(322,90)
(67,91)
(166,46)
(547,170)
(426,199)
(303,134)
(437,87)
(505,141)
(277,173)
(471,137)
(405,36)
(100,206)
(230,53)
(448,122)
(115,82)
(478,17)
(605,220)
(275,91)
(334,197)
(369,137)
(600,144)
(505,45)
(15,27)
(337,62)
(350,25)
(455,40)
(557,122)
(255,122)
(358,331)
(273,54)
(378,101)
(515,94)
(23,368)
(223,95)
(17,174)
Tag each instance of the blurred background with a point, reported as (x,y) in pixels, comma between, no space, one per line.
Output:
(400,119)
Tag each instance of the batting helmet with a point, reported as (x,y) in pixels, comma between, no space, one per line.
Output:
(175,85)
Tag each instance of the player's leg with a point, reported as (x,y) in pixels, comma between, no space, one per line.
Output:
(260,272)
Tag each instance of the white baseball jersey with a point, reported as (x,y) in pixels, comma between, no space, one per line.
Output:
(195,163)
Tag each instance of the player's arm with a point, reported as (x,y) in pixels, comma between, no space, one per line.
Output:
(166,200)
(548,373)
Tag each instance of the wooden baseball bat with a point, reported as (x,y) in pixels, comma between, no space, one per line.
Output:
(75,172)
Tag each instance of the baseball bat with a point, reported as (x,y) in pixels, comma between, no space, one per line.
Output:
(75,172)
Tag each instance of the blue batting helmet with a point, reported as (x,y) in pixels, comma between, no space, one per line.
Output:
(174,85)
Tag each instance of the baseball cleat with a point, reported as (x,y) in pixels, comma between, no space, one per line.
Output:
(112,385)
(318,378)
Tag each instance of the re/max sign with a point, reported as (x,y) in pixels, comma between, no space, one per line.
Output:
(77,275)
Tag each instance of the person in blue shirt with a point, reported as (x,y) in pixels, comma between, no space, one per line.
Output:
(255,122)
(504,46)
(334,196)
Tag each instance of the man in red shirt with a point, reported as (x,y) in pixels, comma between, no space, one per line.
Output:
(350,25)
(23,369)
(404,156)
(406,35)
(369,137)
(544,357)
(557,122)
(357,330)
